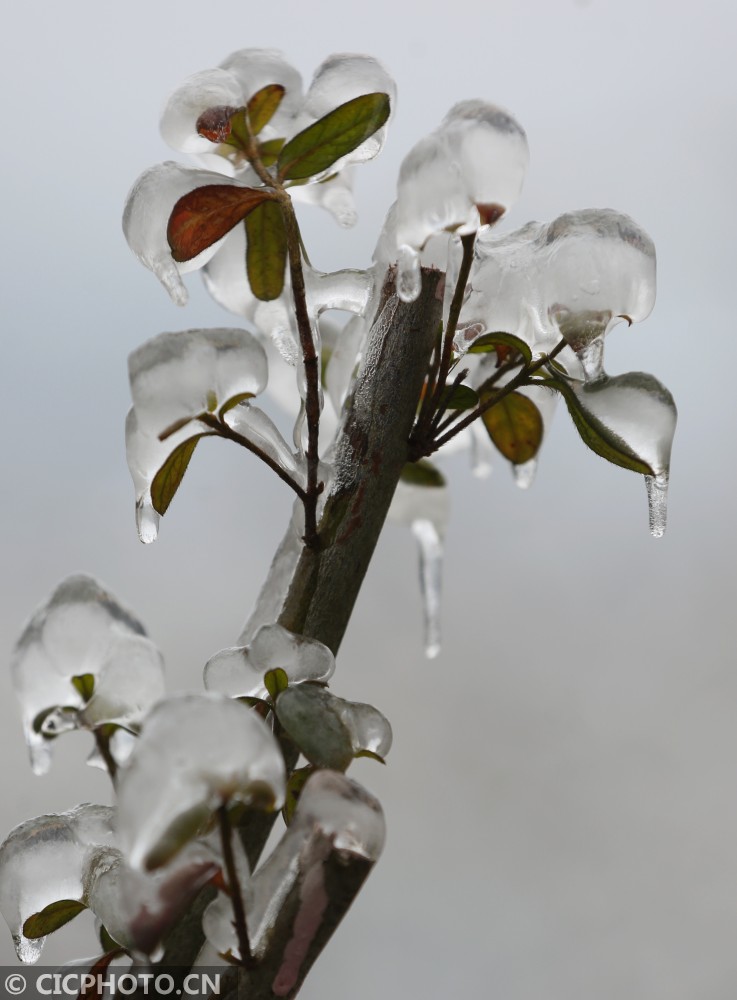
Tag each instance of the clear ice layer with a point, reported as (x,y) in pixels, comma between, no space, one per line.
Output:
(195,753)
(42,862)
(239,671)
(81,630)
(637,411)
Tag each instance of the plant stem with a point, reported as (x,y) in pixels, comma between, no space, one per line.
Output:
(236,896)
(102,741)
(311,366)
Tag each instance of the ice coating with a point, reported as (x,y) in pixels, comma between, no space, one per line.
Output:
(42,862)
(599,270)
(426,510)
(239,671)
(331,731)
(637,411)
(466,173)
(333,808)
(131,682)
(146,216)
(138,908)
(195,753)
(232,84)
(575,277)
(252,423)
(273,593)
(74,633)
(178,375)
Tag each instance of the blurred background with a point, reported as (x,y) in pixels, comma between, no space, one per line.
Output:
(560,798)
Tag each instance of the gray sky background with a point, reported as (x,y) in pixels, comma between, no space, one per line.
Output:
(560,798)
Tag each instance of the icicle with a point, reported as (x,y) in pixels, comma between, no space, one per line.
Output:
(657,500)
(481,451)
(409,278)
(524,474)
(147,520)
(591,356)
(431,570)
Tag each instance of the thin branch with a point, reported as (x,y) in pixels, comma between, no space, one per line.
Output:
(311,365)
(102,741)
(493,399)
(234,885)
(223,430)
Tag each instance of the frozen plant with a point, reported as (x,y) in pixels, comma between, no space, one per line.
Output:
(458,336)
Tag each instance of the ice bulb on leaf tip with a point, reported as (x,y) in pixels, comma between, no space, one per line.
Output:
(638,414)
(42,863)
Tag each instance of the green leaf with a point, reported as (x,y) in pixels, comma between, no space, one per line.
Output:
(269,151)
(262,106)
(337,134)
(166,481)
(515,427)
(107,943)
(422,473)
(294,789)
(595,435)
(371,754)
(85,685)
(463,397)
(52,917)
(276,681)
(234,401)
(266,251)
(490,341)
(203,216)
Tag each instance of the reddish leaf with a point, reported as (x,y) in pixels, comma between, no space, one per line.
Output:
(214,124)
(203,216)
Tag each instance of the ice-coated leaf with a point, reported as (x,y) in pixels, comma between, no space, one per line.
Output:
(312,716)
(262,107)
(166,482)
(422,473)
(467,172)
(317,147)
(183,374)
(195,753)
(515,426)
(596,435)
(71,636)
(239,671)
(269,151)
(131,682)
(492,341)
(202,217)
(146,215)
(332,811)
(41,872)
(329,730)
(266,254)
(52,917)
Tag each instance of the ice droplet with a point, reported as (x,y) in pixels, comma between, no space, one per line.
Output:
(657,500)
(524,474)
(409,276)
(147,520)
(591,356)
(431,579)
